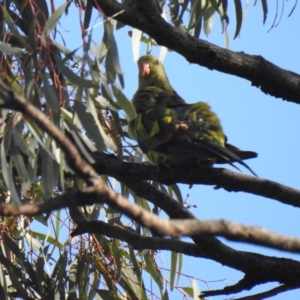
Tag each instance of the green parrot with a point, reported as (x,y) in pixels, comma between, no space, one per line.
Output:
(170,131)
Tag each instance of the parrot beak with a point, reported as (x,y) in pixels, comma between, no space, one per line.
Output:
(145,69)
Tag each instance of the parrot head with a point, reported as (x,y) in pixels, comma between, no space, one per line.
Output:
(152,73)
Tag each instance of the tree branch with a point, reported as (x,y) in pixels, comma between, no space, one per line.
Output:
(237,232)
(247,262)
(274,269)
(261,73)
(135,240)
(174,228)
(268,294)
(221,178)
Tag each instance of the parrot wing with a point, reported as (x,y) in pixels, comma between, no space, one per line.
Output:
(169,128)
(173,132)
(150,96)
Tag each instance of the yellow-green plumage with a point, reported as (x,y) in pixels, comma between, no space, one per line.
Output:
(168,130)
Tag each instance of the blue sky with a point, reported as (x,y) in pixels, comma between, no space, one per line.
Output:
(251,119)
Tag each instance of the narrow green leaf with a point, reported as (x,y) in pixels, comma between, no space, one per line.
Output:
(196,290)
(106,92)
(19,163)
(265,10)
(15,30)
(87,14)
(92,125)
(165,295)
(81,274)
(40,274)
(105,104)
(11,50)
(57,230)
(50,94)
(82,142)
(144,39)
(78,80)
(221,8)
(138,271)
(60,267)
(153,270)
(198,27)
(227,40)
(62,48)
(239,17)
(20,256)
(35,131)
(59,273)
(13,272)
(173,269)
(19,141)
(33,243)
(175,188)
(73,268)
(180,262)
(94,284)
(7,167)
(208,19)
(293,8)
(162,53)
(136,268)
(189,291)
(47,173)
(12,246)
(199,14)
(116,252)
(124,103)
(132,283)
(135,42)
(53,19)
(3,284)
(112,57)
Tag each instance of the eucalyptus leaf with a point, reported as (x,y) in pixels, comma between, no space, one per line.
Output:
(239,17)
(15,30)
(124,103)
(78,80)
(92,126)
(11,50)
(208,19)
(53,19)
(196,290)
(136,41)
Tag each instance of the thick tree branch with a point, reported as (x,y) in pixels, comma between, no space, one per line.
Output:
(259,267)
(271,293)
(135,240)
(237,232)
(261,73)
(270,269)
(221,178)
(174,228)
(274,269)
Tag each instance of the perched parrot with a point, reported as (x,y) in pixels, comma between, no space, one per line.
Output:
(170,131)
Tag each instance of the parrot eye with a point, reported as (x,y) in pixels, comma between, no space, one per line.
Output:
(157,62)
